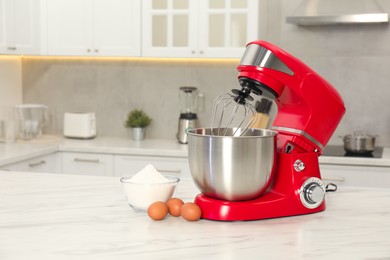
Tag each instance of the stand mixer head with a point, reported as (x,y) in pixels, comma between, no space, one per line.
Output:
(309,110)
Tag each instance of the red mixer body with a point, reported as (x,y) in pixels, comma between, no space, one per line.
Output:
(309,110)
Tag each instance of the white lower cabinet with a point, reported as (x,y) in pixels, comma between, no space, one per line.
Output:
(356,176)
(126,165)
(46,163)
(87,164)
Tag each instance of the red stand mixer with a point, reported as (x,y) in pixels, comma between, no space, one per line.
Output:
(309,110)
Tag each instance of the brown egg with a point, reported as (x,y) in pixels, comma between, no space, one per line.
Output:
(174,205)
(190,211)
(158,210)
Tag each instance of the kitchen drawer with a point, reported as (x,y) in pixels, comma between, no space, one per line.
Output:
(356,176)
(46,163)
(87,164)
(125,165)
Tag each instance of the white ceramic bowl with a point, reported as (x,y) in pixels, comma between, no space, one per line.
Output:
(141,195)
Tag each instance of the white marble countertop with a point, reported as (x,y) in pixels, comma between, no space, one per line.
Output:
(21,150)
(55,216)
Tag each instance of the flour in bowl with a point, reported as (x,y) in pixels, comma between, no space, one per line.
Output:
(148,186)
(149,174)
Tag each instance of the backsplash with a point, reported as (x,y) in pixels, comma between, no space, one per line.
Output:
(111,88)
(355,59)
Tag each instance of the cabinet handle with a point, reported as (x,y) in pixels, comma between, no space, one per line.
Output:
(169,171)
(88,50)
(11,48)
(201,52)
(36,163)
(96,50)
(86,160)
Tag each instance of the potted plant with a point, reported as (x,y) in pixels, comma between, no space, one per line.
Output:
(137,120)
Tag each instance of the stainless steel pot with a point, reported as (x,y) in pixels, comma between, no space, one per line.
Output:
(232,168)
(359,142)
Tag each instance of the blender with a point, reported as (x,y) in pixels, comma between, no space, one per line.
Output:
(188,102)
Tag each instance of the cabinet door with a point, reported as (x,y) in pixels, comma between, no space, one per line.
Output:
(69,28)
(20,26)
(169,28)
(356,176)
(117,27)
(87,164)
(207,28)
(125,165)
(47,163)
(227,26)
(26,26)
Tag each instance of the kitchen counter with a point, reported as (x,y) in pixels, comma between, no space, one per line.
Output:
(55,216)
(21,150)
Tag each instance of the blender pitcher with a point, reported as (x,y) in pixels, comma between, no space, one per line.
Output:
(190,101)
(32,118)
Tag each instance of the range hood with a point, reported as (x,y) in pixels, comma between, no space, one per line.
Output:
(325,12)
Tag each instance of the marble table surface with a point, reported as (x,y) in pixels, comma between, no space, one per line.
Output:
(56,216)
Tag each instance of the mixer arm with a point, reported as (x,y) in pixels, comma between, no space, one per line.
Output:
(309,108)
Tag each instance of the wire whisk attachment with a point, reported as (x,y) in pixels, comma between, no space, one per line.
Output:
(232,115)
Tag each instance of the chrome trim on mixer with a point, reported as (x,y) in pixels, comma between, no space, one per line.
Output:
(299,132)
(259,56)
(312,193)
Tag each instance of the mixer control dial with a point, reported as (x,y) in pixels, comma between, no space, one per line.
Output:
(312,193)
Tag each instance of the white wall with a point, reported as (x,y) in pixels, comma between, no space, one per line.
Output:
(10,80)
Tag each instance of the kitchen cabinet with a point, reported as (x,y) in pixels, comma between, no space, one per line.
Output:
(126,165)
(207,28)
(46,163)
(20,27)
(93,27)
(356,176)
(87,163)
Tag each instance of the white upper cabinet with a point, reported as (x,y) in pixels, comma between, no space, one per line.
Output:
(93,27)
(203,28)
(20,22)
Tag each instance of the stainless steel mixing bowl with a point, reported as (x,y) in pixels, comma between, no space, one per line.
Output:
(232,168)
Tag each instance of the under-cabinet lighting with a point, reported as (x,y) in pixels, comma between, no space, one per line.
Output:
(9,57)
(134,59)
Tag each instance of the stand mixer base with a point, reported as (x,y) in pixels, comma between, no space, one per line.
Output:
(271,205)
(293,193)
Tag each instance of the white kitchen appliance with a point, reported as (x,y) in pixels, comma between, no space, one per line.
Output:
(80,125)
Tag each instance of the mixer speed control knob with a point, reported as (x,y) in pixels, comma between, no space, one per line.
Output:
(312,193)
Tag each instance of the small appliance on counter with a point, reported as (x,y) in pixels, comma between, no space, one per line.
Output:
(247,173)
(80,125)
(31,120)
(188,102)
